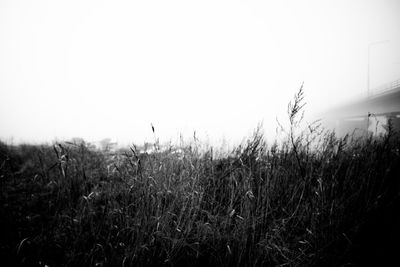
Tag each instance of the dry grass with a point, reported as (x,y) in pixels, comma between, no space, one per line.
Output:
(303,202)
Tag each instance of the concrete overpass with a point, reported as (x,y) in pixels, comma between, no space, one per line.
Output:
(367,115)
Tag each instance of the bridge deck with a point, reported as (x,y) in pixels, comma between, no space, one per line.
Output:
(366,114)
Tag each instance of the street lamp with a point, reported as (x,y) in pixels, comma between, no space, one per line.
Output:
(369,59)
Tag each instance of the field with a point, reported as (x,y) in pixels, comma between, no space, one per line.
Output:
(312,200)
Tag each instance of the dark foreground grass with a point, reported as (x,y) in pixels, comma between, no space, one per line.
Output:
(73,205)
(314,200)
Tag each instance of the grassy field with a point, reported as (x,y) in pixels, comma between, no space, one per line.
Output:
(314,200)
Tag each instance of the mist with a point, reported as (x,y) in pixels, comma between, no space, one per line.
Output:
(110,69)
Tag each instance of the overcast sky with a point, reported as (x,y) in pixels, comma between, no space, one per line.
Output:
(97,69)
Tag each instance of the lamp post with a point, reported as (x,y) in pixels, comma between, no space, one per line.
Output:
(369,63)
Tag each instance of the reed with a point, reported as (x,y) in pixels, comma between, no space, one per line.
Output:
(302,202)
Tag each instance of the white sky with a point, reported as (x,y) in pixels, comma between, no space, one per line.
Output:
(97,69)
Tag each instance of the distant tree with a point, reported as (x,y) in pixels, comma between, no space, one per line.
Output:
(105,144)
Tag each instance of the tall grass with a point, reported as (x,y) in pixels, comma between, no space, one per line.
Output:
(302,202)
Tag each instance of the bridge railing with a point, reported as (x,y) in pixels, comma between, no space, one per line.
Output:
(385,88)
